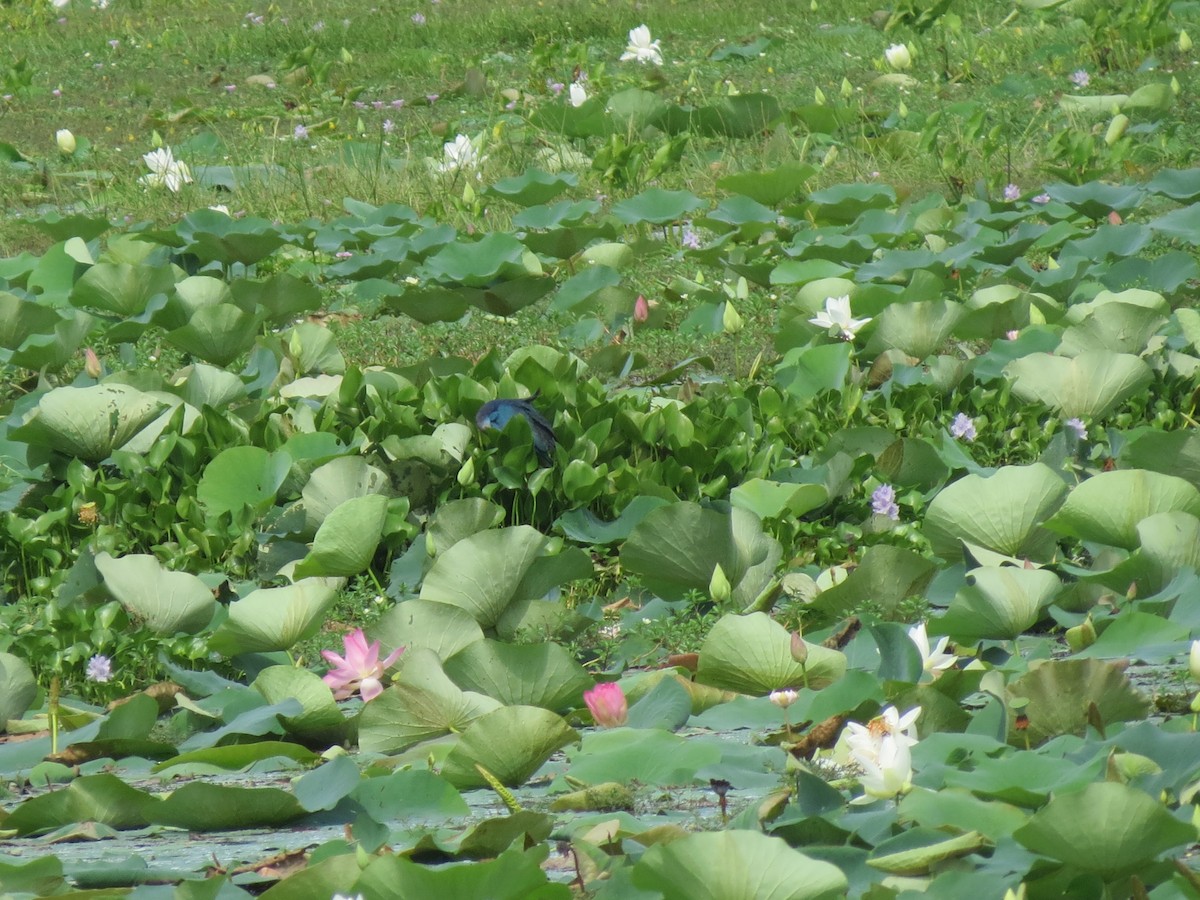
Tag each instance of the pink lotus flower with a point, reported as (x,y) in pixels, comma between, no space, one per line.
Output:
(641,309)
(360,670)
(607,704)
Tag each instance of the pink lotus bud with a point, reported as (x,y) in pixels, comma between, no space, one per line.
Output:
(799,648)
(91,363)
(607,704)
(641,309)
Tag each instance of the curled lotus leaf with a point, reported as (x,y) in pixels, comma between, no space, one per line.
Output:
(89,422)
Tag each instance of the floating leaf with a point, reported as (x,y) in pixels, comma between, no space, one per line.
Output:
(240,477)
(440,627)
(17,688)
(998,603)
(273,618)
(1060,691)
(544,675)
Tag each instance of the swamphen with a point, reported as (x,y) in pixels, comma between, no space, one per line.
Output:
(496,413)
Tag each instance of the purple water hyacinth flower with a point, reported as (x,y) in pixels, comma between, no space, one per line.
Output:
(99,668)
(1012,192)
(300,133)
(963,427)
(1080,78)
(1077,427)
(883,502)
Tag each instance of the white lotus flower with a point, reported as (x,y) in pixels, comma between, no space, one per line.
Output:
(166,169)
(934,661)
(867,740)
(888,775)
(576,94)
(65,140)
(837,315)
(898,57)
(460,153)
(641,47)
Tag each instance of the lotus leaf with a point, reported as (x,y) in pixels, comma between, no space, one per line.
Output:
(240,477)
(734,865)
(544,675)
(440,627)
(1108,828)
(677,548)
(17,688)
(1091,385)
(89,422)
(168,603)
(488,572)
(752,654)
(998,603)
(1003,512)
(885,576)
(201,385)
(122,290)
(458,519)
(1107,507)
(918,329)
(217,334)
(1060,691)
(322,723)
(421,705)
(274,618)
(511,743)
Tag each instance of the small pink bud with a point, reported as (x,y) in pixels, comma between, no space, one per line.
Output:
(641,309)
(1114,218)
(607,704)
(799,648)
(91,363)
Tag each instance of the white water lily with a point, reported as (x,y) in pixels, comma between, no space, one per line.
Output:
(165,169)
(837,315)
(461,153)
(898,57)
(576,94)
(888,774)
(641,47)
(934,661)
(65,141)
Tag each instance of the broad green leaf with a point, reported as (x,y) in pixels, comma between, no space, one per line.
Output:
(168,603)
(1091,385)
(346,542)
(104,799)
(657,207)
(17,688)
(918,850)
(648,756)
(735,865)
(485,573)
(584,527)
(544,675)
(918,329)
(886,576)
(752,654)
(274,618)
(322,722)
(217,334)
(88,422)
(200,806)
(998,603)
(677,548)
(240,477)
(201,385)
(1107,507)
(511,743)
(1108,828)
(1171,452)
(440,627)
(515,874)
(772,499)
(1003,512)
(458,519)
(1060,691)
(421,704)
(335,482)
(769,187)
(533,186)
(410,794)
(235,757)
(121,289)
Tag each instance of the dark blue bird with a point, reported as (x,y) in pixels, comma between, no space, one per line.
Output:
(497,413)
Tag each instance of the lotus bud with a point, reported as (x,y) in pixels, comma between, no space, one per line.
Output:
(1081,636)
(718,586)
(466,475)
(1185,42)
(898,57)
(819,96)
(1194,661)
(847,90)
(783,699)
(66,141)
(641,309)
(1175,88)
(91,363)
(799,648)
(731,320)
(902,110)
(1195,704)
(607,704)
(1116,128)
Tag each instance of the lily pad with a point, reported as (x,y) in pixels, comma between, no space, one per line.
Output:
(752,654)
(1059,693)
(511,743)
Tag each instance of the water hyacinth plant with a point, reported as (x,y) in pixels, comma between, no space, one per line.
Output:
(597,382)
